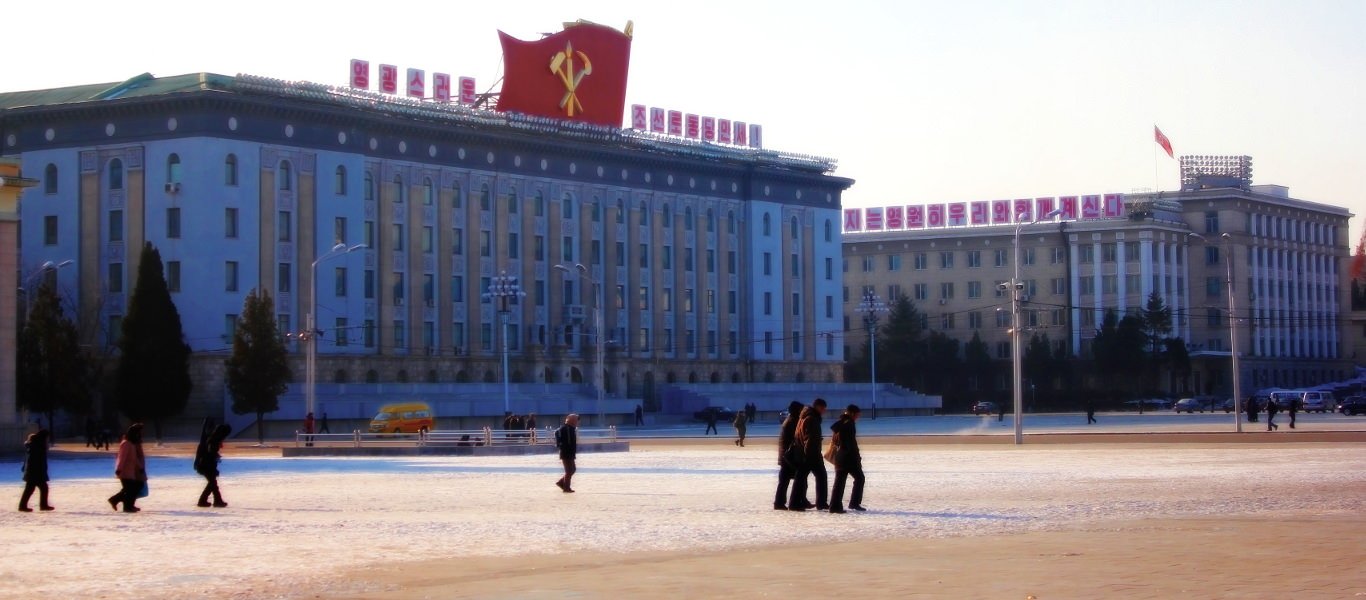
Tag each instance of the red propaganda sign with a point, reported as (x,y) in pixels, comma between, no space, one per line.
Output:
(723,131)
(417,83)
(1000,211)
(694,127)
(577,74)
(657,120)
(441,87)
(639,119)
(958,214)
(979,213)
(872,218)
(915,217)
(1069,206)
(1114,205)
(756,136)
(1043,206)
(709,129)
(853,219)
(468,94)
(935,215)
(388,79)
(896,217)
(360,74)
(1090,207)
(675,122)
(1023,210)
(740,138)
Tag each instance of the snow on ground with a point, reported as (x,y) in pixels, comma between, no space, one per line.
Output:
(293,524)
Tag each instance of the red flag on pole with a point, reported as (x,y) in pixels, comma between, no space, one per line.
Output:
(577,74)
(1163,141)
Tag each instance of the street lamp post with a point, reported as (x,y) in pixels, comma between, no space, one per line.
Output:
(33,277)
(598,382)
(1232,329)
(1016,362)
(310,335)
(872,308)
(504,287)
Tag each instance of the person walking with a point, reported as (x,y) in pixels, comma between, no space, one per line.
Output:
(1271,409)
(808,437)
(740,423)
(848,461)
(787,469)
(1251,409)
(1090,411)
(1292,409)
(322,425)
(640,416)
(35,470)
(206,459)
(567,441)
(751,411)
(308,429)
(711,423)
(130,466)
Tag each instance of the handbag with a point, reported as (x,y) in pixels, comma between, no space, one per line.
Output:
(794,456)
(830,450)
(142,493)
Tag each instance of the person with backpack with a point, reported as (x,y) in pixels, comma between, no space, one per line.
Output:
(740,424)
(786,468)
(808,438)
(130,466)
(848,462)
(35,470)
(206,459)
(567,441)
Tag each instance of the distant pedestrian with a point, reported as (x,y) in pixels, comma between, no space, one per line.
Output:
(711,423)
(322,425)
(808,437)
(206,459)
(35,470)
(131,468)
(1271,409)
(848,461)
(1090,411)
(104,437)
(786,467)
(530,422)
(640,416)
(1251,409)
(740,424)
(751,411)
(567,441)
(91,433)
(1293,408)
(1000,412)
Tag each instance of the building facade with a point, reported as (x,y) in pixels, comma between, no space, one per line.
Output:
(715,263)
(1288,258)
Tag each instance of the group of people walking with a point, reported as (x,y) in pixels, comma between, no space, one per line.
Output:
(800,457)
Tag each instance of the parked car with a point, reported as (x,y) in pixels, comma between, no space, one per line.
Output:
(1353,405)
(1316,401)
(1189,405)
(983,408)
(723,414)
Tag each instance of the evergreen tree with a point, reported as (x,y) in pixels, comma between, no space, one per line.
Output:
(1179,358)
(258,370)
(1156,320)
(899,346)
(1037,363)
(152,379)
(977,362)
(51,369)
(940,364)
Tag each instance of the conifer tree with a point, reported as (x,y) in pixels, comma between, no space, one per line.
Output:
(152,380)
(258,370)
(51,370)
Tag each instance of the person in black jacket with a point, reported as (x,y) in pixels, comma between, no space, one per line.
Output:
(848,461)
(808,436)
(35,470)
(206,459)
(567,440)
(1271,408)
(786,434)
(711,423)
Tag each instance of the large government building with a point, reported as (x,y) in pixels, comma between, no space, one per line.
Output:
(1288,259)
(717,263)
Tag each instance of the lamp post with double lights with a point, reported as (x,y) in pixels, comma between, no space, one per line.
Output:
(31,278)
(311,332)
(598,382)
(504,287)
(872,309)
(1015,285)
(1232,328)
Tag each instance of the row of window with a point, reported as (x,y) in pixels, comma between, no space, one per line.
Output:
(1086,254)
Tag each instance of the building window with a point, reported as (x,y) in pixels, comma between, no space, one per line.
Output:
(1088,254)
(730,262)
(1211,255)
(50,230)
(1059,255)
(1000,257)
(514,245)
(428,192)
(731,302)
(116,226)
(975,320)
(369,187)
(893,262)
(283,279)
(666,300)
(339,282)
(795,228)
(229,223)
(286,176)
(1212,287)
(400,191)
(50,179)
(1059,285)
(230,276)
(711,261)
(1131,252)
(1212,222)
(828,234)
(730,221)
(946,260)
(567,248)
(284,226)
(1002,349)
(1026,256)
(1088,285)
(768,226)
(643,298)
(457,200)
(173,276)
(595,254)
(621,213)
(768,342)
(538,244)
(116,174)
(567,208)
(400,340)
(768,303)
(974,259)
(368,284)
(667,258)
(339,182)
(829,268)
(230,170)
(921,260)
(173,222)
(1109,284)
(339,332)
(974,289)
(368,234)
(644,214)
(429,289)
(768,264)
(946,290)
(946,321)
(1109,252)
(173,168)
(921,291)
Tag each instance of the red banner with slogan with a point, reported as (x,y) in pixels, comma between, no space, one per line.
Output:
(578,74)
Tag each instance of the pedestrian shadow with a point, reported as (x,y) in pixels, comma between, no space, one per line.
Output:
(951,515)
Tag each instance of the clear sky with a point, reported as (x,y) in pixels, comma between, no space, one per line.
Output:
(919,101)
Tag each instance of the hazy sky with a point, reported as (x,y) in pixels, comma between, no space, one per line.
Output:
(919,101)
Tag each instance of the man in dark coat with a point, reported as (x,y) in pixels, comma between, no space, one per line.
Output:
(786,435)
(808,436)
(640,416)
(1251,409)
(1294,408)
(35,470)
(848,461)
(567,441)
(206,459)
(1271,414)
(711,423)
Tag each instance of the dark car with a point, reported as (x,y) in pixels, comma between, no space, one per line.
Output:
(1353,405)
(722,413)
(983,408)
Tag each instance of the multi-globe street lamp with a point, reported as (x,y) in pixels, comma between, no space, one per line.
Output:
(31,279)
(1015,285)
(598,374)
(504,288)
(311,332)
(872,308)
(1232,328)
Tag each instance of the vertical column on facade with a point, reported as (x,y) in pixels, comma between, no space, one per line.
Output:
(411,259)
(93,208)
(267,240)
(386,193)
(807,281)
(306,227)
(786,246)
(1097,279)
(1121,287)
(445,307)
(1074,291)
(676,239)
(725,282)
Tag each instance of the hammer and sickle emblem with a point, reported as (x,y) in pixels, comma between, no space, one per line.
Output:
(563,65)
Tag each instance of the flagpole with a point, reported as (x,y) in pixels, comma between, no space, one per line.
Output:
(1157,177)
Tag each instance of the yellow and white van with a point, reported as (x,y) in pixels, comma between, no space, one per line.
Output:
(403,417)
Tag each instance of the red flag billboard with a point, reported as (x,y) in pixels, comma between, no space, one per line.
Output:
(578,74)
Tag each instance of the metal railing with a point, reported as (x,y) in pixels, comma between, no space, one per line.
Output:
(468,437)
